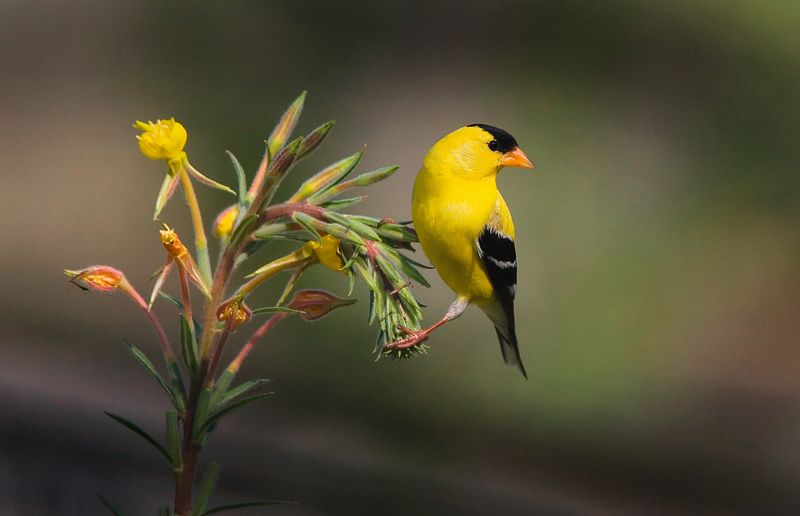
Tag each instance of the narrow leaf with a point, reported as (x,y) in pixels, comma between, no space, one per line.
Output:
(327,177)
(285,127)
(365,179)
(207,180)
(110,507)
(243,229)
(165,193)
(242,505)
(141,433)
(241,389)
(188,346)
(307,222)
(173,443)
(341,204)
(221,387)
(200,416)
(206,488)
(214,416)
(150,368)
(161,277)
(241,181)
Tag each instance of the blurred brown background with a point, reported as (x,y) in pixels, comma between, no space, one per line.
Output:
(658,239)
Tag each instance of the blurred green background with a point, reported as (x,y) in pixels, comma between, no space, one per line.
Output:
(658,243)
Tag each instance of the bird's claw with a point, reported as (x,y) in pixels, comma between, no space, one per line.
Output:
(413,337)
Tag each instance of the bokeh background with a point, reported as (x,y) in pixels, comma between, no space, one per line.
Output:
(658,239)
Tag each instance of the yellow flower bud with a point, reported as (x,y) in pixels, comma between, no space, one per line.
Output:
(223,224)
(98,278)
(164,139)
(327,252)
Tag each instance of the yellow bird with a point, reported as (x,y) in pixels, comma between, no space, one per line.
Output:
(466,230)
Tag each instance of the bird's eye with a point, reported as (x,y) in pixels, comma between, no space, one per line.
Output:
(493,145)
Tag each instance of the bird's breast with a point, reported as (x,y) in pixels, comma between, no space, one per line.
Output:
(448,216)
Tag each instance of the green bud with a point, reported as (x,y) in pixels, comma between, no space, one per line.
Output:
(313,140)
(330,175)
(283,130)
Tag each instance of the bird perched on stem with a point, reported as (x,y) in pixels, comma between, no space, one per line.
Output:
(466,230)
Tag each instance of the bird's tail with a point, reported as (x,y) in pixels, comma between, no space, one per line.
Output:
(510,349)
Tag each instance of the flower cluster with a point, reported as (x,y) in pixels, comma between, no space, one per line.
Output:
(363,248)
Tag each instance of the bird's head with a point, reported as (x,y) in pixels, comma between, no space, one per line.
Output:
(476,151)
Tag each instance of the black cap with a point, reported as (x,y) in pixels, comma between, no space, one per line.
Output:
(505,142)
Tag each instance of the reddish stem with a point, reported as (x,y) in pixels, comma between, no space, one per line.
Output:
(258,335)
(212,367)
(169,356)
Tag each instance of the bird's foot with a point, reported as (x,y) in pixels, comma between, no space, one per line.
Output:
(413,337)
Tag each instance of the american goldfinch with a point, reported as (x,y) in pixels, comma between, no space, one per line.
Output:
(466,230)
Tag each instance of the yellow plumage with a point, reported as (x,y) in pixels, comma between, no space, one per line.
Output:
(455,202)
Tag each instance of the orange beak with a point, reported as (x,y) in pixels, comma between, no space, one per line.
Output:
(516,158)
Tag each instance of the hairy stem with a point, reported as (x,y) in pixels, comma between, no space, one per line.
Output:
(184,478)
(201,243)
(258,335)
(166,349)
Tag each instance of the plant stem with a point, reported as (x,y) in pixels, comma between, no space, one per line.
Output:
(201,243)
(184,478)
(166,349)
(187,301)
(258,335)
(212,366)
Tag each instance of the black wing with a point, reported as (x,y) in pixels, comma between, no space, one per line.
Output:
(499,257)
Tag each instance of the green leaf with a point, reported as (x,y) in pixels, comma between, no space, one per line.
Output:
(341,204)
(310,143)
(285,127)
(193,172)
(307,222)
(353,224)
(241,182)
(201,413)
(326,178)
(242,505)
(110,507)
(364,179)
(141,433)
(177,302)
(243,229)
(221,387)
(241,389)
(206,488)
(164,511)
(176,400)
(173,442)
(217,414)
(165,193)
(275,309)
(374,176)
(188,346)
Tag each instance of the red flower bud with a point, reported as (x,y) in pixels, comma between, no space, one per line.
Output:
(316,303)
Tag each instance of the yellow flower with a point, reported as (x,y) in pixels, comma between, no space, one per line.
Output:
(234,312)
(223,224)
(164,139)
(172,243)
(327,252)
